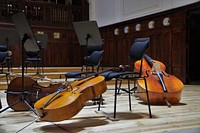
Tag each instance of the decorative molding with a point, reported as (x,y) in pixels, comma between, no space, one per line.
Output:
(137,27)
(126,29)
(116,31)
(151,24)
(166,21)
(56,35)
(40,32)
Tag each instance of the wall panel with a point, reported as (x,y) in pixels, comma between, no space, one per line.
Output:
(168,42)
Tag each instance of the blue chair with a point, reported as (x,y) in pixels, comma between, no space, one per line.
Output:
(136,53)
(8,61)
(3,56)
(93,47)
(33,57)
(92,61)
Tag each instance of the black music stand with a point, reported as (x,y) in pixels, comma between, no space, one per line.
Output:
(28,42)
(9,37)
(42,40)
(87,32)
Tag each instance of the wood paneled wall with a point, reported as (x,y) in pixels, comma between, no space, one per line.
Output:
(49,18)
(60,52)
(168,43)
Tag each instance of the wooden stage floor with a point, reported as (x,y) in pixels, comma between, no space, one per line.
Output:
(181,118)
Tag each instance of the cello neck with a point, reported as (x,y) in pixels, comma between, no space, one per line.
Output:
(157,70)
(149,60)
(154,65)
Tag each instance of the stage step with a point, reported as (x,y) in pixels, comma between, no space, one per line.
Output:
(56,74)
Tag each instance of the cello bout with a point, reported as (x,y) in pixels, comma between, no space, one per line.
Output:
(65,104)
(64,107)
(162,87)
(156,94)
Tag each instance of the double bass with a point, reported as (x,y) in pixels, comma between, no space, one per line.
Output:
(32,91)
(69,99)
(163,88)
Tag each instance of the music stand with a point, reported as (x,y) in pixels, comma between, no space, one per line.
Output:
(9,37)
(87,32)
(42,40)
(28,42)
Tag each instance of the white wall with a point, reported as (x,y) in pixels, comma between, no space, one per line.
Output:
(107,12)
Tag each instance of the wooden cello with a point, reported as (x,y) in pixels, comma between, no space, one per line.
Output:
(162,87)
(69,99)
(32,90)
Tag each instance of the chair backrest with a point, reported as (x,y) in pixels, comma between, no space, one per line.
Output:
(93,47)
(138,49)
(32,54)
(96,56)
(3,56)
(3,48)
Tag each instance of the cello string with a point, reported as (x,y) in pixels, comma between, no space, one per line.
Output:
(59,90)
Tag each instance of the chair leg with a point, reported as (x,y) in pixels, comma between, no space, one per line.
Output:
(11,66)
(88,68)
(100,98)
(115,100)
(119,88)
(39,66)
(26,67)
(2,68)
(148,101)
(82,68)
(129,94)
(8,65)
(42,68)
(135,86)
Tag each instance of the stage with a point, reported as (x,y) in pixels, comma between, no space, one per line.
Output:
(183,117)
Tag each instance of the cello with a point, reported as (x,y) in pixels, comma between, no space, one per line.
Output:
(69,99)
(32,90)
(163,88)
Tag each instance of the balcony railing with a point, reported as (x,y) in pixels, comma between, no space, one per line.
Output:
(38,12)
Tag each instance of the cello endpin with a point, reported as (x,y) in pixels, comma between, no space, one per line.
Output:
(168,104)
